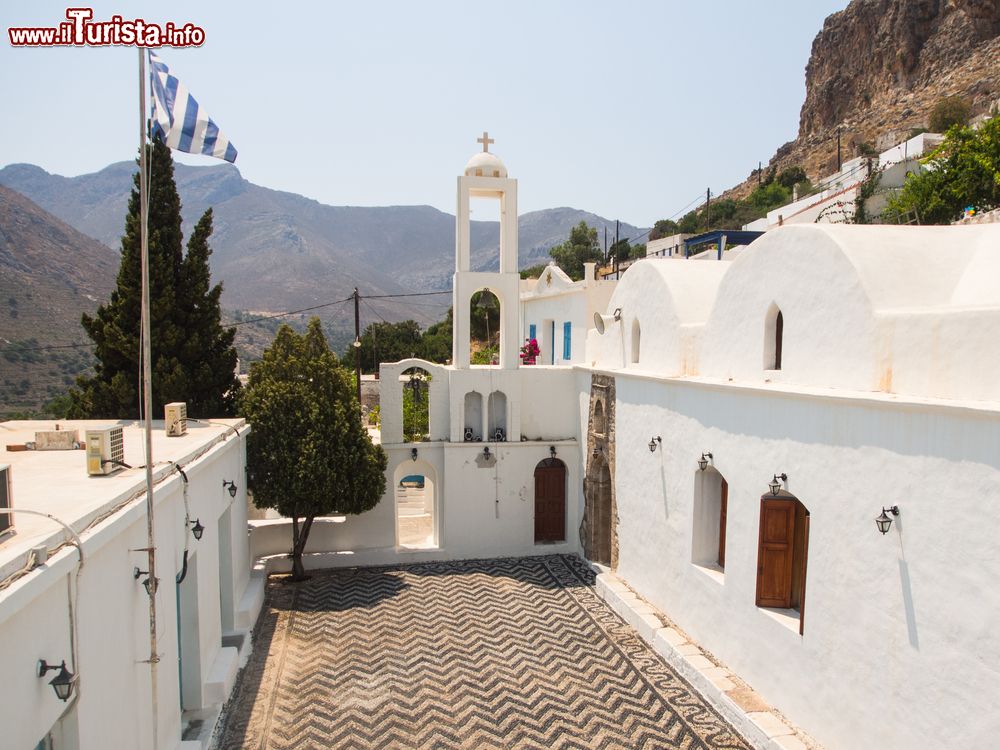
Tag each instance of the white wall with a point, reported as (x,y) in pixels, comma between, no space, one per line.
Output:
(899,630)
(112,706)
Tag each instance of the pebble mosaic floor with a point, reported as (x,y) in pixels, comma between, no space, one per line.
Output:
(484,655)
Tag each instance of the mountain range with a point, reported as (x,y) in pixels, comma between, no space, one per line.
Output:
(277,251)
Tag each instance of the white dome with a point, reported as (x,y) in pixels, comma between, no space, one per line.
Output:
(485,164)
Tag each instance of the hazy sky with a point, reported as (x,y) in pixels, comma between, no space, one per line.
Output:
(627,109)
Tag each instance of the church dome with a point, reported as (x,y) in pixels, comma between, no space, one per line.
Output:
(485,164)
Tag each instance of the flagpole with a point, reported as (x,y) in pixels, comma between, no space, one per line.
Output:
(147,398)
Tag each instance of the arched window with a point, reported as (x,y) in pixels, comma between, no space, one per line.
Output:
(635,340)
(473,416)
(782,552)
(496,408)
(774,325)
(708,527)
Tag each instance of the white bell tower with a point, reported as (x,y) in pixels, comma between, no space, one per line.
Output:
(486,177)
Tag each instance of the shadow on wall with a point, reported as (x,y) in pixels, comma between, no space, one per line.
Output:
(810,420)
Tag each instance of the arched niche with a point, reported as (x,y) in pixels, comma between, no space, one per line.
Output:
(496,416)
(599,425)
(473,416)
(636,335)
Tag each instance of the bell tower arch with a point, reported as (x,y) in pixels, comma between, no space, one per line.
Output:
(486,177)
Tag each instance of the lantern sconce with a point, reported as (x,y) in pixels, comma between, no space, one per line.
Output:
(653,442)
(413,454)
(883,522)
(486,453)
(552,451)
(775,485)
(150,583)
(705,458)
(231,485)
(197,529)
(63,683)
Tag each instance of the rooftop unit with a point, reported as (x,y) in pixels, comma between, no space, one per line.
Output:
(175,418)
(105,450)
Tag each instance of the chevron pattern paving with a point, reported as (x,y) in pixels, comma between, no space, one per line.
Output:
(484,655)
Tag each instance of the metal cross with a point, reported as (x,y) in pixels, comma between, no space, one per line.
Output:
(486,141)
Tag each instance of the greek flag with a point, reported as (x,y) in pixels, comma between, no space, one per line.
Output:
(178,119)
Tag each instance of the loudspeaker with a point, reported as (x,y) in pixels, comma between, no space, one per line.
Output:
(601,322)
(468,434)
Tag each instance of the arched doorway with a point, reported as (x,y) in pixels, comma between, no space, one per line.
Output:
(550,501)
(600,517)
(416,505)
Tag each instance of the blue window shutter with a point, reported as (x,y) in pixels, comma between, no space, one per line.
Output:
(531,332)
(567,338)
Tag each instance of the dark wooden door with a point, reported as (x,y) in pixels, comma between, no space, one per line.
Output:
(723,509)
(550,501)
(774,557)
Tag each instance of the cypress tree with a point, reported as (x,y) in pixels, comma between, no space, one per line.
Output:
(192,356)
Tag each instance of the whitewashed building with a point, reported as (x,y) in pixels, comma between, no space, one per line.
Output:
(724,448)
(557,312)
(852,368)
(72,595)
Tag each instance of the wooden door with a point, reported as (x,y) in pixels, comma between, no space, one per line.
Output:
(550,501)
(723,508)
(774,556)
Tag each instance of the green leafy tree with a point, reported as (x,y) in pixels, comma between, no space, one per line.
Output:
(308,453)
(663,228)
(193,358)
(637,251)
(963,171)
(581,247)
(436,341)
(947,112)
(386,342)
(533,272)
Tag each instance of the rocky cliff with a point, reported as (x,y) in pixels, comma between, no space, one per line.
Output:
(877,68)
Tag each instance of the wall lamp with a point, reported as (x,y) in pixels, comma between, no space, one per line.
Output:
(197,529)
(883,521)
(231,485)
(150,583)
(552,451)
(63,683)
(413,454)
(705,458)
(775,485)
(486,453)
(653,442)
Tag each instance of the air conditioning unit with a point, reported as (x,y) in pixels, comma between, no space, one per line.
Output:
(6,498)
(175,416)
(468,434)
(105,450)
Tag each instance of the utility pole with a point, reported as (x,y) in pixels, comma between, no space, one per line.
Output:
(357,342)
(758,173)
(605,244)
(708,197)
(838,149)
